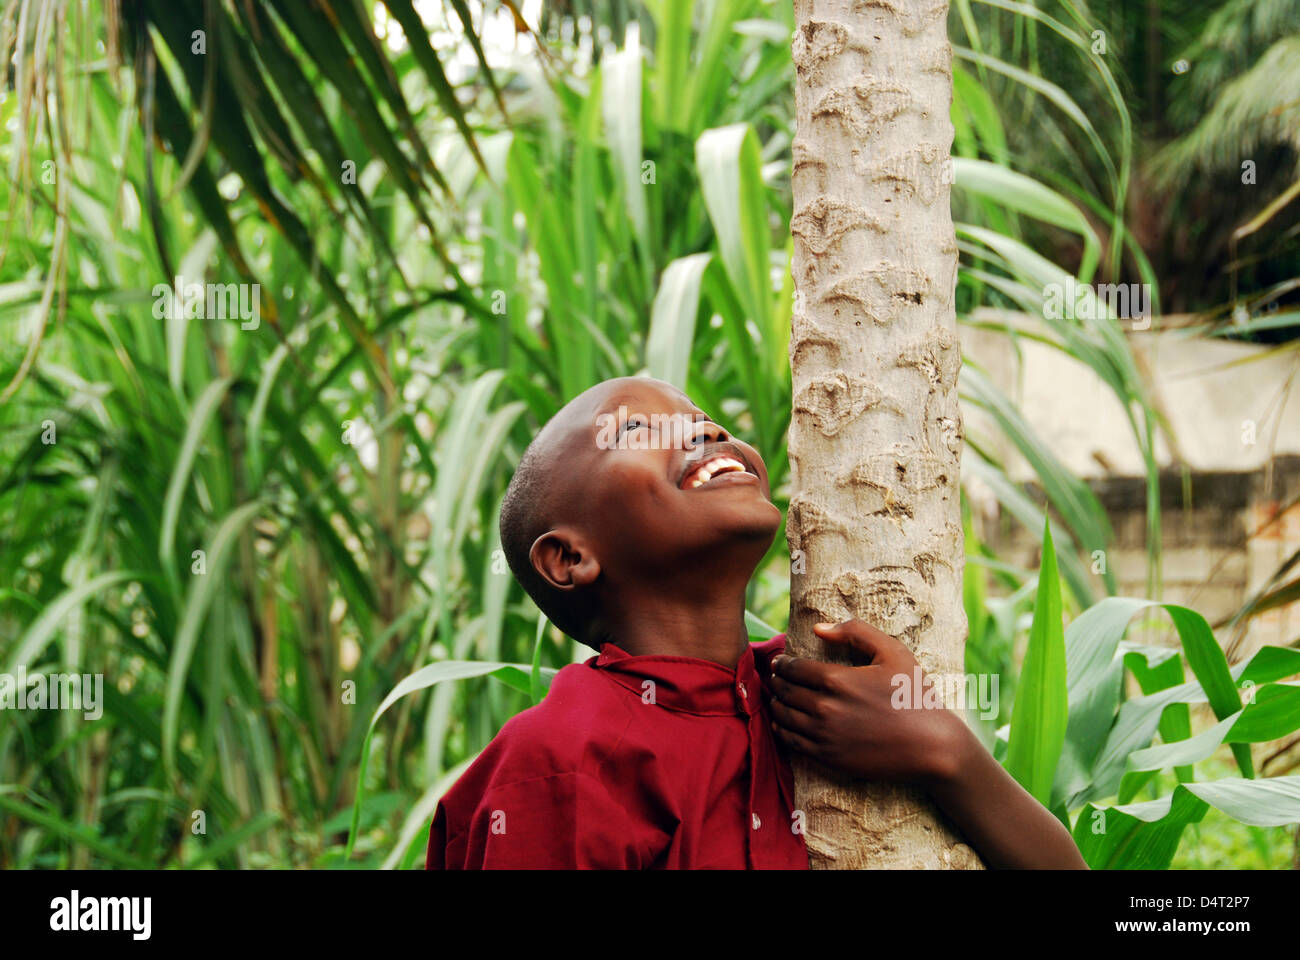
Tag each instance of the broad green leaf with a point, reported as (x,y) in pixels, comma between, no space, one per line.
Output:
(1094,675)
(672,60)
(621,92)
(1155,672)
(1139,718)
(1145,835)
(1026,195)
(1137,836)
(1210,666)
(731,182)
(757,629)
(1274,714)
(672,319)
(1039,719)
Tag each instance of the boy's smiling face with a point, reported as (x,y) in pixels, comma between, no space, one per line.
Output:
(649,490)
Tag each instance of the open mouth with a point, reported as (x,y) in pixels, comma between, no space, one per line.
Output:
(713,468)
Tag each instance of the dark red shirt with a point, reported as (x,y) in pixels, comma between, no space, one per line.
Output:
(631,763)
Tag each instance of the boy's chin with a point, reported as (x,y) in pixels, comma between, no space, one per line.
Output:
(755,529)
(765,528)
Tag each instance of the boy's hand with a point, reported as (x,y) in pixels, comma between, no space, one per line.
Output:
(845,716)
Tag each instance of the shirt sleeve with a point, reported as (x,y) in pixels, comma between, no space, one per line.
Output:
(557,822)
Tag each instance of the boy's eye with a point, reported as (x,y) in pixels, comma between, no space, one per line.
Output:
(634,423)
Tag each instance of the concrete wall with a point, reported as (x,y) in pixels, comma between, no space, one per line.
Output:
(1235,424)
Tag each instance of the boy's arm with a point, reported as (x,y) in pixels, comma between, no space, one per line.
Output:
(1006,825)
(853,719)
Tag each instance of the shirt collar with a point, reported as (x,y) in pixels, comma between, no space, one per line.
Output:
(686,684)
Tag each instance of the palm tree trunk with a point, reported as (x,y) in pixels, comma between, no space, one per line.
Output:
(875,518)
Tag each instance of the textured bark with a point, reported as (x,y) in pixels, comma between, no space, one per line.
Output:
(875,516)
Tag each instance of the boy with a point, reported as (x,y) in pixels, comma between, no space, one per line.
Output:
(635,522)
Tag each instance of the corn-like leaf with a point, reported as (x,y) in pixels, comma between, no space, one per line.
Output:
(1026,195)
(1139,718)
(1274,714)
(621,95)
(731,181)
(672,320)
(1145,835)
(1039,719)
(1208,663)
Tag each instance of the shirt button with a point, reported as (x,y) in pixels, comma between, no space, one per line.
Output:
(743,694)
(757,822)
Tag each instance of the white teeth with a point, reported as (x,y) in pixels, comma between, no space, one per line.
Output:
(715,466)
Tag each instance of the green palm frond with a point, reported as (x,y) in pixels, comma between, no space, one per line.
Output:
(1259,109)
(1232,38)
(225,86)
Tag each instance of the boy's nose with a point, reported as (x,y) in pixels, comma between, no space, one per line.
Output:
(704,431)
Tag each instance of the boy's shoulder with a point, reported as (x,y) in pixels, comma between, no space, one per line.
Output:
(573,730)
(585,717)
(581,709)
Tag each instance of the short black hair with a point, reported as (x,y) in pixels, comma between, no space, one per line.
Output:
(527,512)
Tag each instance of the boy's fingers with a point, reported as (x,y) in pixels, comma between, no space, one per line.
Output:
(793,696)
(806,673)
(795,740)
(860,635)
(796,721)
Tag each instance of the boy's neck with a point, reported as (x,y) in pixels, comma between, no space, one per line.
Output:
(710,626)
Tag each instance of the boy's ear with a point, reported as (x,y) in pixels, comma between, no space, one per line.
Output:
(563,560)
